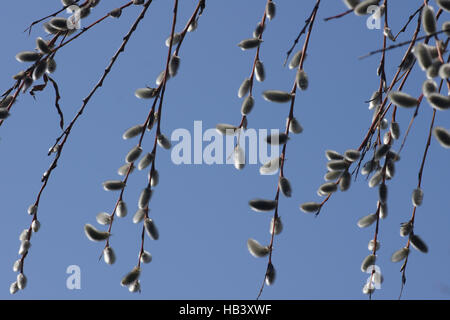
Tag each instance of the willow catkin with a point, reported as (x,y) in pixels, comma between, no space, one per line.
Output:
(277,96)
(403,99)
(260,73)
(310,207)
(154,178)
(418,243)
(372,245)
(28,56)
(333,155)
(95,235)
(442,136)
(122,209)
(108,255)
(285,186)
(332,175)
(270,274)
(352,155)
(270,166)
(4,113)
(256,249)
(439,101)
(103,218)
(139,215)
(145,93)
(337,165)
(277,228)
(277,139)
(367,262)
(163,142)
(428,20)
(376,179)
(21,281)
(399,255)
(113,185)
(362,8)
(42,45)
(406,228)
(295,61)
(239,158)
(146,257)
(382,151)
(123,170)
(444,71)
(176,39)
(247,105)
(433,69)
(146,160)
(24,247)
(244,88)
(51,65)
(417,197)
(131,277)
(301,80)
(226,129)
(144,198)
(59,23)
(249,43)
(394,129)
(294,126)
(133,131)
(174,65)
(133,154)
(116,13)
(422,55)
(161,76)
(328,187)
(151,229)
(262,205)
(444,4)
(344,183)
(367,221)
(270,10)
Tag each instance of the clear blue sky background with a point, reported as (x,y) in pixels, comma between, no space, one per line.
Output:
(202,211)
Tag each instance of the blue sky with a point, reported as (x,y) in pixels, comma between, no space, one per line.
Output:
(202,211)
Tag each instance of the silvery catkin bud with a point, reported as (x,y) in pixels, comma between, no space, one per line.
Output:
(239,158)
(259,71)
(402,99)
(417,197)
(399,255)
(277,139)
(302,80)
(351,4)
(270,274)
(121,210)
(395,130)
(154,180)
(174,65)
(163,142)
(262,205)
(277,96)
(146,257)
(285,186)
(418,243)
(247,105)
(176,39)
(249,43)
(294,126)
(139,215)
(256,249)
(131,277)
(42,45)
(310,207)
(151,229)
(24,246)
(444,71)
(108,255)
(244,88)
(95,235)
(133,154)
(35,225)
(21,281)
(277,228)
(144,198)
(442,136)
(352,155)
(146,161)
(145,93)
(444,4)
(438,101)
(367,221)
(344,183)
(371,245)
(367,262)
(113,185)
(428,20)
(362,8)
(103,218)
(423,55)
(270,10)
